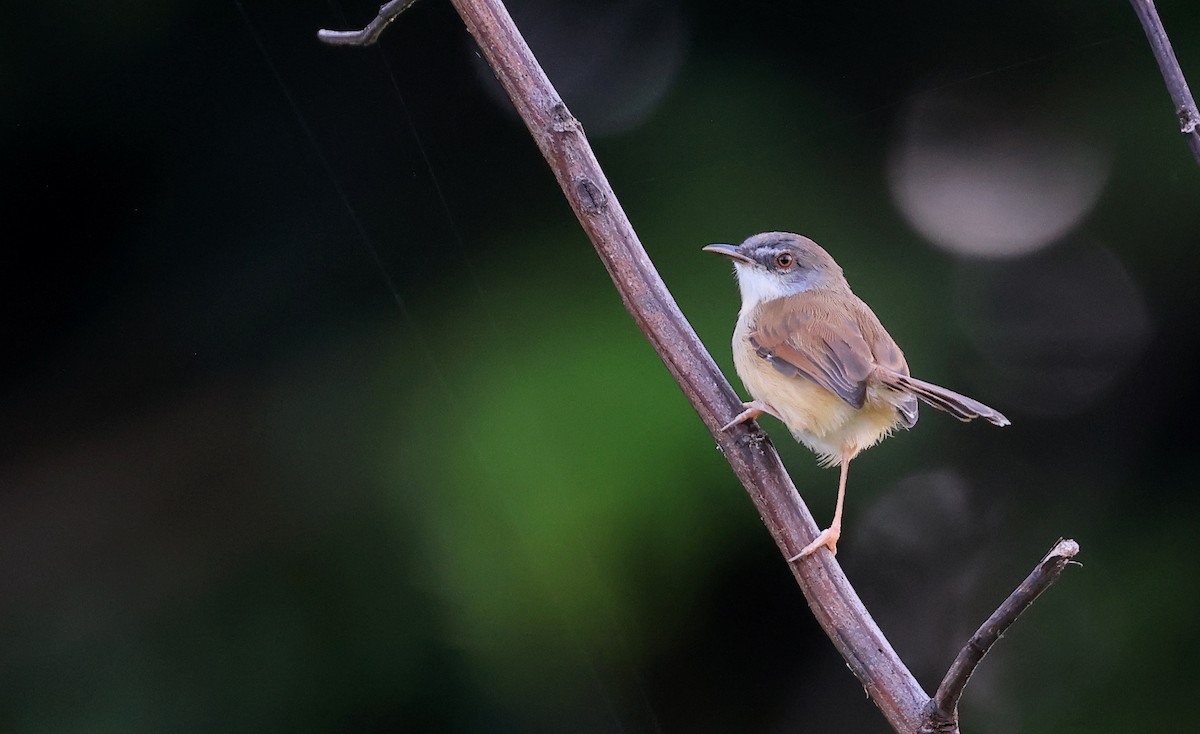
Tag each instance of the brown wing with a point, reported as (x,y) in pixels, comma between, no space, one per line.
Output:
(814,335)
(890,361)
(832,339)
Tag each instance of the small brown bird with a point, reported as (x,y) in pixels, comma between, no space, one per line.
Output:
(815,356)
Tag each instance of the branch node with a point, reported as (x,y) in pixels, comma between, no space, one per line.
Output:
(1189,119)
(591,197)
(756,439)
(563,120)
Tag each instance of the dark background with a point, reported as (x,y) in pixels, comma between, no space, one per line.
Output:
(320,414)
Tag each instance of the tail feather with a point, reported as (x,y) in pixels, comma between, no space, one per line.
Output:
(959,406)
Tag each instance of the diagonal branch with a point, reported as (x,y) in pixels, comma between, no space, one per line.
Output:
(560,137)
(1185,105)
(562,141)
(943,708)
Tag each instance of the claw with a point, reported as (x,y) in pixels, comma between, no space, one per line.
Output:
(828,538)
(753,409)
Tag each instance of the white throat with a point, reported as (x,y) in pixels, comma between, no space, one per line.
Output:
(759,286)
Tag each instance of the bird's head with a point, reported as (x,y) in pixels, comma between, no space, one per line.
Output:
(774,265)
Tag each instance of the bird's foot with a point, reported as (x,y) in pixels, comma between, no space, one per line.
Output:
(753,409)
(828,538)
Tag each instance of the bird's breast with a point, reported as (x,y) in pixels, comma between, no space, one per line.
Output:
(816,417)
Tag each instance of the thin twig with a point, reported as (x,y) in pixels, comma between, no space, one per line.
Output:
(370,34)
(562,142)
(1185,105)
(943,709)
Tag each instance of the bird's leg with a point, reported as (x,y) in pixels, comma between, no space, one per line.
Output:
(753,409)
(829,537)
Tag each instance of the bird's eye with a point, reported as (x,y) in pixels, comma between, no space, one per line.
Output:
(784,260)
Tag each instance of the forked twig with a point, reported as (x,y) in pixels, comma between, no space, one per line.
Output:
(560,137)
(943,707)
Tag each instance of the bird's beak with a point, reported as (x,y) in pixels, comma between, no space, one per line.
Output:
(733,252)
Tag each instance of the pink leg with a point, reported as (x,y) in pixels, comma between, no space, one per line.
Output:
(752,410)
(828,538)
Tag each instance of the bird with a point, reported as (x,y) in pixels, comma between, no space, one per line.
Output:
(815,356)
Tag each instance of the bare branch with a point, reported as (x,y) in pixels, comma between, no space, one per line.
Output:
(370,34)
(943,709)
(1185,105)
(562,142)
(561,139)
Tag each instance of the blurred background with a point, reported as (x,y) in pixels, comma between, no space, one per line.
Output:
(319,413)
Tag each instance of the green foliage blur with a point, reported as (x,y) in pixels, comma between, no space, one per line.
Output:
(321,415)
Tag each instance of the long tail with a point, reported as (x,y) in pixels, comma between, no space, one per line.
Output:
(959,406)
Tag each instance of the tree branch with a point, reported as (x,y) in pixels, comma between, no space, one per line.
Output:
(1185,105)
(562,142)
(943,708)
(373,30)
